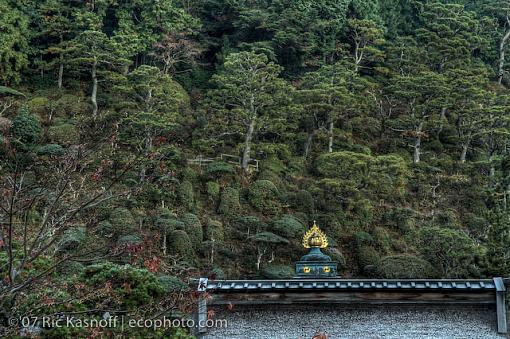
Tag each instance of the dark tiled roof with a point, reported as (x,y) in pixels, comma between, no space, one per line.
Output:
(349,284)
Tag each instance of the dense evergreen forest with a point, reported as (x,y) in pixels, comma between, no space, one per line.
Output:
(147,142)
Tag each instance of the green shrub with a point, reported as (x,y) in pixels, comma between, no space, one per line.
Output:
(229,202)
(39,105)
(303,201)
(25,127)
(265,197)
(50,150)
(405,266)
(363,211)
(129,240)
(167,221)
(288,227)
(70,268)
(363,238)
(144,287)
(248,225)
(277,272)
(173,284)
(105,229)
(72,238)
(122,221)
(193,227)
(401,218)
(218,168)
(354,166)
(180,244)
(213,191)
(368,258)
(215,230)
(451,251)
(186,196)
(64,134)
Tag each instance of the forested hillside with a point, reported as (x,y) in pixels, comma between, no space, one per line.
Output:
(147,142)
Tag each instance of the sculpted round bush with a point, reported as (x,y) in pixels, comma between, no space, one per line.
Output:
(405,266)
(264,196)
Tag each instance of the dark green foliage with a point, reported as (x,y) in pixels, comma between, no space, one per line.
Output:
(215,230)
(249,225)
(277,272)
(179,244)
(405,266)
(26,128)
(71,268)
(186,196)
(450,251)
(213,192)
(172,284)
(144,286)
(122,220)
(50,150)
(72,238)
(229,202)
(303,201)
(368,259)
(288,227)
(193,227)
(129,240)
(219,168)
(265,197)
(63,134)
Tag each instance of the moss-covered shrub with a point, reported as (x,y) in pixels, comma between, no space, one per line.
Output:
(193,228)
(144,287)
(217,169)
(213,192)
(39,106)
(167,221)
(50,150)
(405,266)
(362,210)
(368,259)
(277,272)
(265,197)
(173,284)
(70,268)
(105,229)
(25,127)
(122,221)
(129,240)
(363,238)
(229,202)
(64,134)
(186,196)
(351,165)
(180,244)
(215,231)
(72,238)
(288,227)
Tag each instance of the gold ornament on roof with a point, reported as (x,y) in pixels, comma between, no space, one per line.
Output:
(314,237)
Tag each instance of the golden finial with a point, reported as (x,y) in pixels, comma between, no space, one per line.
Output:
(314,237)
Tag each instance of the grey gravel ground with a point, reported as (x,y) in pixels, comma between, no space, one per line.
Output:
(371,322)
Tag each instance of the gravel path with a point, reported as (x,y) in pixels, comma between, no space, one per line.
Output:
(370,322)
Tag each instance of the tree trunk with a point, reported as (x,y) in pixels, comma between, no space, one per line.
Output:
(330,136)
(60,71)
(308,144)
(464,151)
(93,96)
(247,145)
(502,46)
(417,144)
